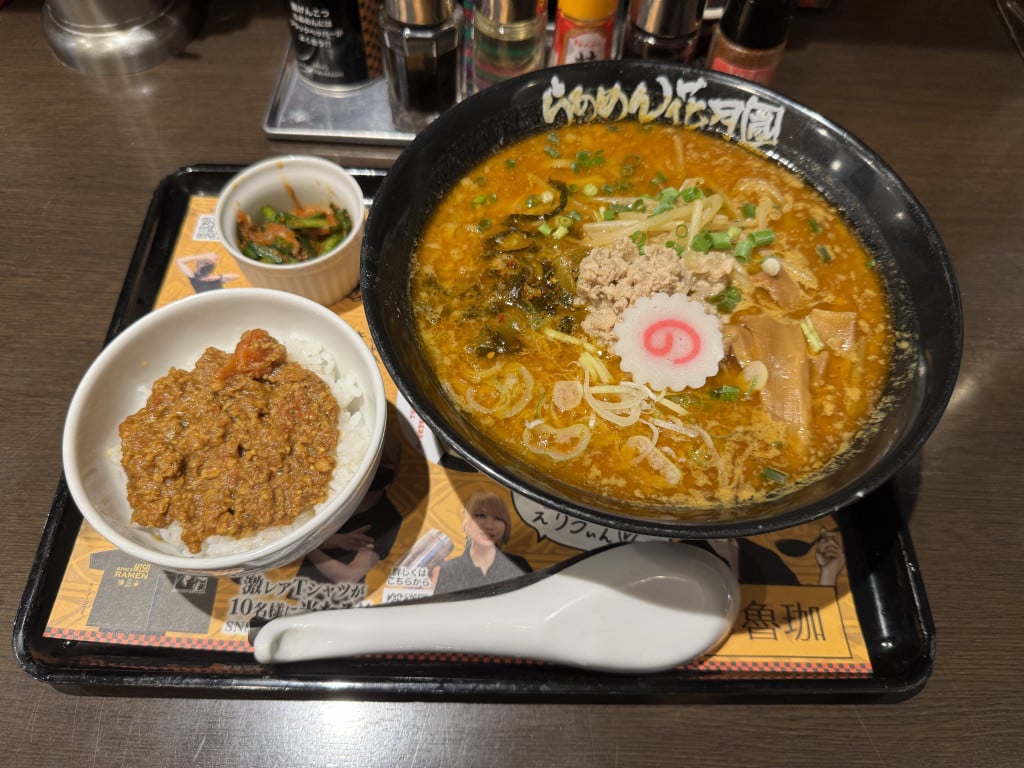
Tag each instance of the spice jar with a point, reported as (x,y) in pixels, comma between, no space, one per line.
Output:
(508,39)
(665,30)
(422,41)
(750,38)
(584,31)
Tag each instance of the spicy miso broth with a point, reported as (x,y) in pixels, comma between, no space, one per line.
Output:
(652,313)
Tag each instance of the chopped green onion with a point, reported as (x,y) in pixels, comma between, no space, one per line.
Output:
(701,243)
(823,253)
(726,392)
(586,159)
(532,201)
(553,138)
(682,230)
(813,224)
(773,475)
(870,263)
(510,163)
(743,249)
(676,246)
(589,190)
(726,301)
(659,179)
(639,239)
(814,342)
(612,211)
(544,228)
(720,241)
(666,201)
(552,152)
(734,233)
(483,224)
(763,237)
(691,193)
(749,210)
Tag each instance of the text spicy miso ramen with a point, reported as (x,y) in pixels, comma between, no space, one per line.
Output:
(653,314)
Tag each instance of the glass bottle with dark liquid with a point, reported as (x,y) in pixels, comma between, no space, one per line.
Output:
(664,30)
(422,40)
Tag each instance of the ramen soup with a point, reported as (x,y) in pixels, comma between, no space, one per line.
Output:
(653,314)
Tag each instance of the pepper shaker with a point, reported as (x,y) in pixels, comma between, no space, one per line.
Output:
(422,41)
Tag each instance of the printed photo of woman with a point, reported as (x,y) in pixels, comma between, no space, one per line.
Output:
(487,523)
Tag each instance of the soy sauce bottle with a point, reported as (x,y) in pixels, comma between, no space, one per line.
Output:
(662,30)
(422,41)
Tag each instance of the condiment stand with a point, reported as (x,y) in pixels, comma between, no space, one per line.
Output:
(300,109)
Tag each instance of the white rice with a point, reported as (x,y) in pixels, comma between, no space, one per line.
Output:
(355,441)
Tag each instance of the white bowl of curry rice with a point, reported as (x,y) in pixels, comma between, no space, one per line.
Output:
(294,223)
(227,433)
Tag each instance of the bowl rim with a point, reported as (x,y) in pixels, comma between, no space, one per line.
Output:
(512,96)
(337,173)
(166,315)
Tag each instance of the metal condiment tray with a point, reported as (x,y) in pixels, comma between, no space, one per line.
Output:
(301,110)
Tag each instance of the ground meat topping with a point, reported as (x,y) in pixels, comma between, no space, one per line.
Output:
(612,278)
(242,442)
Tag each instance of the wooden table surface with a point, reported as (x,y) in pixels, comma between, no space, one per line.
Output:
(934,86)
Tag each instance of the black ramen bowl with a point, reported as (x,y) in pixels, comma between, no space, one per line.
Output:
(909,253)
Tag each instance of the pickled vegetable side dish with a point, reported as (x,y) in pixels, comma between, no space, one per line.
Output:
(290,237)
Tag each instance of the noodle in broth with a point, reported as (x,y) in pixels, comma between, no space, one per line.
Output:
(542,267)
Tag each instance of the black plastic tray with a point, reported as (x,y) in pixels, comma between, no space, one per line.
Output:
(887,587)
